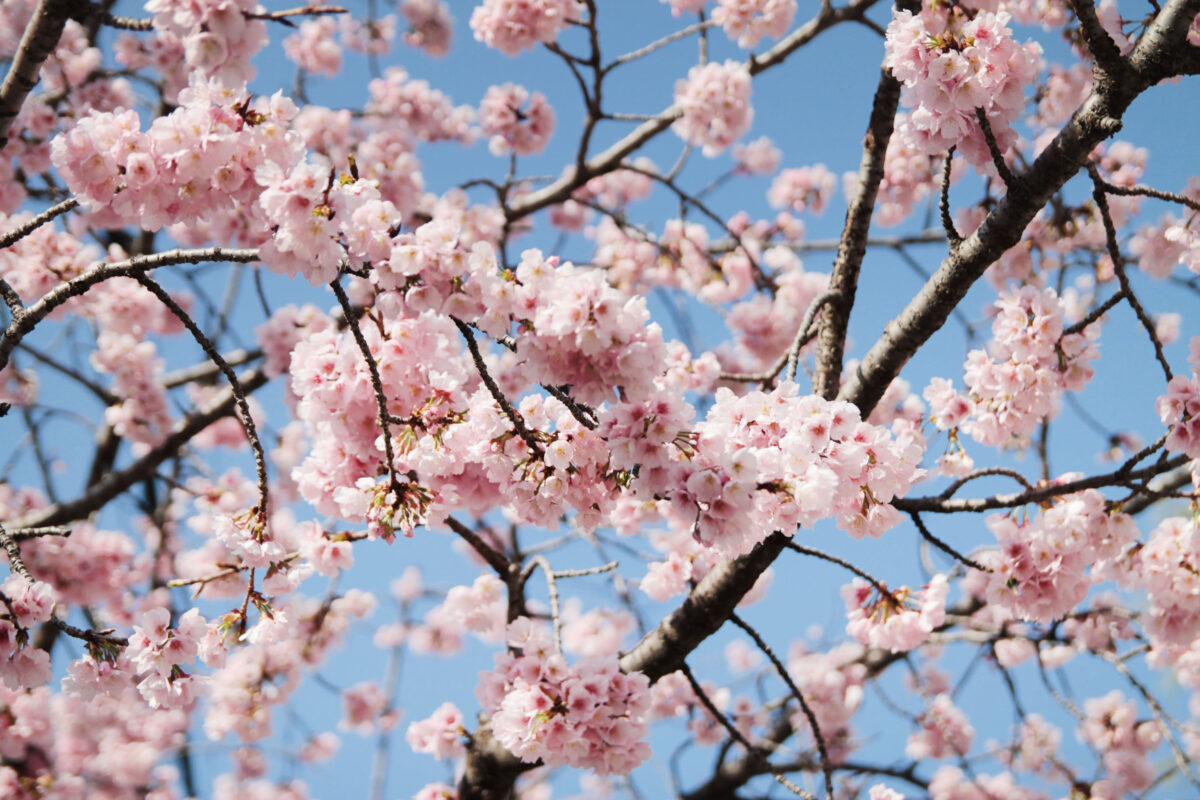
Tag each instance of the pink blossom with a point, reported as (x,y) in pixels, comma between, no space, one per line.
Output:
(747,21)
(587,715)
(944,732)
(804,188)
(950,66)
(715,101)
(441,735)
(511,26)
(760,157)
(430,25)
(894,621)
(313,47)
(511,124)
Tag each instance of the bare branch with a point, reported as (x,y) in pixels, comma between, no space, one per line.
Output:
(37,43)
(114,483)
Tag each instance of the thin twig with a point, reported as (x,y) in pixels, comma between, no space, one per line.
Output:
(945,548)
(235,386)
(1114,253)
(952,234)
(25,322)
(736,734)
(513,415)
(998,161)
(552,590)
(381,401)
(781,670)
(28,227)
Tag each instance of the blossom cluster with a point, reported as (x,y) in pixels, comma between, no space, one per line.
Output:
(775,461)
(1111,725)
(892,620)
(511,26)
(945,731)
(1033,360)
(193,164)
(1179,408)
(159,652)
(950,67)
(1166,567)
(217,37)
(511,124)
(25,606)
(588,714)
(1046,565)
(715,104)
(430,25)
(802,189)
(748,21)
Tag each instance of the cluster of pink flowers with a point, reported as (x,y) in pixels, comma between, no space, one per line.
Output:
(42,260)
(424,112)
(1179,408)
(679,7)
(430,25)
(1167,567)
(1045,565)
(894,621)
(909,176)
(1032,361)
(583,332)
(944,732)
(832,684)
(951,66)
(951,783)
(218,37)
(588,715)
(513,126)
(321,223)
(371,36)
(764,325)
(192,164)
(286,328)
(511,26)
(597,632)
(143,414)
(802,189)
(1110,725)
(440,735)
(747,21)
(760,157)
(25,605)
(367,709)
(77,745)
(159,653)
(715,101)
(775,461)
(479,608)
(314,48)
(96,568)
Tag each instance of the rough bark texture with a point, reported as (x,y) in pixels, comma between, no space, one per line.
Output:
(37,43)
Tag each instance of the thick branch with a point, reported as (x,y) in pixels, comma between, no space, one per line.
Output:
(37,43)
(853,246)
(1098,118)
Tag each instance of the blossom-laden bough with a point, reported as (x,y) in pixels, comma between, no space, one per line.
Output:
(469,379)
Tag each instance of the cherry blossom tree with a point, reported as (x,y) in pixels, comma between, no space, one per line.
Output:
(253,345)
